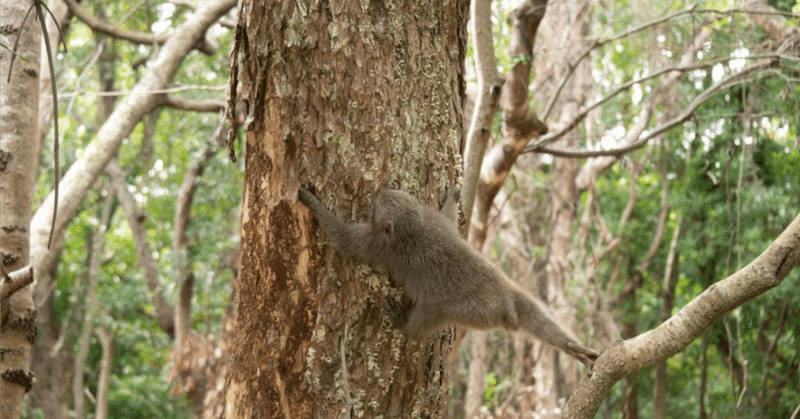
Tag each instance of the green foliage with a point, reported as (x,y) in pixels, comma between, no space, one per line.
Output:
(157,155)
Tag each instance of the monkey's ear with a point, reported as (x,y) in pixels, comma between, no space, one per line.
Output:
(389,227)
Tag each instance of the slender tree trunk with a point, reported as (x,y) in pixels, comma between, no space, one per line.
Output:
(568,24)
(19,106)
(668,295)
(348,98)
(90,309)
(104,383)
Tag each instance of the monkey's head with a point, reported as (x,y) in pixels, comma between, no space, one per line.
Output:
(395,213)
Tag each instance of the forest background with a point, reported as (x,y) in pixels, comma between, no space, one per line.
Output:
(671,161)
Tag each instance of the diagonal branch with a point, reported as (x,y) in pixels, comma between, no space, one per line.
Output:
(765,272)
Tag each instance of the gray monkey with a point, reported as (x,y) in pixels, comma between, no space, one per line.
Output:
(445,281)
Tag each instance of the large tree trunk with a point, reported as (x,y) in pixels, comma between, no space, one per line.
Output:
(19,105)
(348,97)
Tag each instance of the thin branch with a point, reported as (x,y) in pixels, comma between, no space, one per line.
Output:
(600,42)
(113,31)
(683,117)
(178,102)
(204,45)
(691,10)
(162,311)
(627,85)
(153,91)
(56,163)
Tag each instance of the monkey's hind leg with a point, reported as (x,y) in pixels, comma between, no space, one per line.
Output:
(424,320)
(449,206)
(398,311)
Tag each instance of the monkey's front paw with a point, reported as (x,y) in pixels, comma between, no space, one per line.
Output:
(398,311)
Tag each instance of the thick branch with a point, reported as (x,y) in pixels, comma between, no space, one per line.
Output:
(15,281)
(520,123)
(765,272)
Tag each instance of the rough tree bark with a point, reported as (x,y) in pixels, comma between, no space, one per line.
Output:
(19,105)
(347,97)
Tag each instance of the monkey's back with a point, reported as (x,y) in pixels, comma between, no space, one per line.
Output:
(432,261)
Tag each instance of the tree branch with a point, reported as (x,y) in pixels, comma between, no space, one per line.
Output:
(136,218)
(113,31)
(178,102)
(520,123)
(204,45)
(539,147)
(766,271)
(15,281)
(81,175)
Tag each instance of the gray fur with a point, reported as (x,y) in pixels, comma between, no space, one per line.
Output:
(446,280)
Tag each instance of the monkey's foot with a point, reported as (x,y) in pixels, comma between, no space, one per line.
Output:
(398,311)
(586,355)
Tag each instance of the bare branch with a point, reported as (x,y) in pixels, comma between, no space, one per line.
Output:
(178,102)
(205,45)
(520,123)
(81,175)
(136,219)
(600,42)
(180,243)
(680,69)
(113,31)
(683,117)
(691,10)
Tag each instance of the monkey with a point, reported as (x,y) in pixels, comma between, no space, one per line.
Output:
(445,280)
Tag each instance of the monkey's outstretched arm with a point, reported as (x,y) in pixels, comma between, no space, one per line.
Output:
(354,239)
